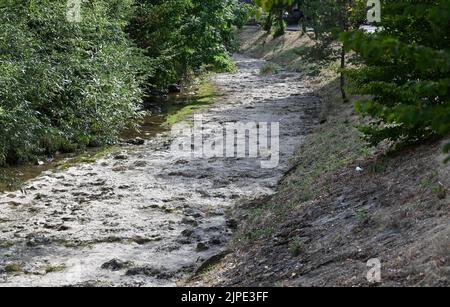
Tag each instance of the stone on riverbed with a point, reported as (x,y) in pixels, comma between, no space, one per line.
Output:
(136,141)
(116,265)
(121,156)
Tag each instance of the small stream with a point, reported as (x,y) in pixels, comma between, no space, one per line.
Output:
(143,215)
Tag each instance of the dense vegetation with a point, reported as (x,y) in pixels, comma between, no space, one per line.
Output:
(271,12)
(406,73)
(329,18)
(181,35)
(67,85)
(402,70)
(64,85)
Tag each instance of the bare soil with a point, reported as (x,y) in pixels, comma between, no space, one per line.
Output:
(341,204)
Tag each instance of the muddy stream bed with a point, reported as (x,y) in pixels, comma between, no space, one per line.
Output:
(142,216)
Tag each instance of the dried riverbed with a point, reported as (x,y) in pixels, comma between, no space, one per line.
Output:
(143,217)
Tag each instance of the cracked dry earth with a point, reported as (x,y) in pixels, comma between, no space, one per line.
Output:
(145,217)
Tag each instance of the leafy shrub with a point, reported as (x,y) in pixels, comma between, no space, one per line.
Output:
(274,13)
(406,73)
(64,85)
(242,13)
(67,85)
(183,35)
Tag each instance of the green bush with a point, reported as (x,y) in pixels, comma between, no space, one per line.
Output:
(64,85)
(406,76)
(181,36)
(274,13)
(67,85)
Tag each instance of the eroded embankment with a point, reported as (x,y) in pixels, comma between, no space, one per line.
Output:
(341,205)
(145,217)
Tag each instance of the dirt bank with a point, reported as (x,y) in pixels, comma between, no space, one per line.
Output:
(341,204)
(144,217)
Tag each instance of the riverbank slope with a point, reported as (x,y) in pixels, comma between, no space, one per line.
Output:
(143,215)
(341,204)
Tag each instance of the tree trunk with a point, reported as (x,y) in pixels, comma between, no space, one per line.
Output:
(344,27)
(304,20)
(342,85)
(268,23)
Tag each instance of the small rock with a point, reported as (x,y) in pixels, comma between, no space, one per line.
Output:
(189,221)
(187,232)
(168,210)
(184,241)
(98,183)
(140,163)
(156,238)
(68,219)
(121,156)
(148,271)
(215,241)
(36,241)
(63,228)
(116,265)
(141,241)
(119,169)
(201,247)
(136,141)
(192,213)
(181,162)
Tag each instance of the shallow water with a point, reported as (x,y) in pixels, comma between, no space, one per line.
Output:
(146,216)
(153,123)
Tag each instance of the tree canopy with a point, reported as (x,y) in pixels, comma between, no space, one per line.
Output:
(406,76)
